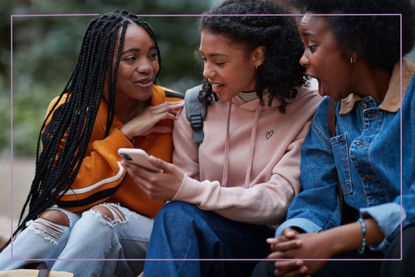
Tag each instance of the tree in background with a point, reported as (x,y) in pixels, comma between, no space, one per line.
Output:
(45,50)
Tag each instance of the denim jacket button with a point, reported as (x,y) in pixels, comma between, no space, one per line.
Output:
(368,177)
(363,106)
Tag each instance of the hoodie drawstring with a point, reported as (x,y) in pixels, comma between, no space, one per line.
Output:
(251,147)
(226,165)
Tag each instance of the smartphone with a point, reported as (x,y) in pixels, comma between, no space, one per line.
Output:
(137,156)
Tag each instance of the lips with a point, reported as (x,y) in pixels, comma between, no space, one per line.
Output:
(321,89)
(216,87)
(144,82)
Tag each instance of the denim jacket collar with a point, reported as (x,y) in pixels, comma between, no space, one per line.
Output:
(392,100)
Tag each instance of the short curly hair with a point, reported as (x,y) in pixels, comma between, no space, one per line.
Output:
(281,73)
(374,38)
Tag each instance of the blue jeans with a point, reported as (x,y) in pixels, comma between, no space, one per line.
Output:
(88,236)
(183,231)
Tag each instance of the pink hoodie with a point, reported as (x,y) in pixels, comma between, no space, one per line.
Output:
(248,167)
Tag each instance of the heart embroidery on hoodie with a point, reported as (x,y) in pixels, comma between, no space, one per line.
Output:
(269,134)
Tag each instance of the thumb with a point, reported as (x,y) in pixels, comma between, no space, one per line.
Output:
(165,166)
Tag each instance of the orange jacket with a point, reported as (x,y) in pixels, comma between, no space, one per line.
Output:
(102,179)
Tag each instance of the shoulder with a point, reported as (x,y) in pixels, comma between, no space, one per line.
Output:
(304,106)
(308,96)
(56,103)
(169,94)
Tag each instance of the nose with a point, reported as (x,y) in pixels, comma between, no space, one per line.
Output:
(304,61)
(207,71)
(144,67)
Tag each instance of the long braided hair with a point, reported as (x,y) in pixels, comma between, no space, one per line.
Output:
(281,72)
(63,143)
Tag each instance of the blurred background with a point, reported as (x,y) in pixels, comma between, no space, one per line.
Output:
(45,50)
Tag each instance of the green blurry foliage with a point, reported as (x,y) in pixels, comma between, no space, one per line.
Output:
(45,50)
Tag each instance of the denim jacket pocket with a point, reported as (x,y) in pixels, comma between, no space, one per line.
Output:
(341,158)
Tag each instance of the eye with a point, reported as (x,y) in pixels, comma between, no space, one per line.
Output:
(153,55)
(312,48)
(130,58)
(219,63)
(201,58)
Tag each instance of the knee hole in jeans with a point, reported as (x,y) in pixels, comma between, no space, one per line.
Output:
(110,212)
(51,224)
(55,216)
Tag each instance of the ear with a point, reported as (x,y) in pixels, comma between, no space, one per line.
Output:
(258,55)
(351,56)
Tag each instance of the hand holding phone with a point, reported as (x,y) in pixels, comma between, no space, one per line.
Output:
(138,157)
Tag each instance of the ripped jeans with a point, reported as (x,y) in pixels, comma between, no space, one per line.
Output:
(116,236)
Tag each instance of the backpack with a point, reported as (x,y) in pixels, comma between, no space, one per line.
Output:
(195,112)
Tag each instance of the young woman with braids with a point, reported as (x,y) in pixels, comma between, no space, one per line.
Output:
(110,101)
(243,176)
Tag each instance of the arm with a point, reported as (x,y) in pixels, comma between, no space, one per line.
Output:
(264,202)
(316,207)
(401,211)
(100,173)
(322,245)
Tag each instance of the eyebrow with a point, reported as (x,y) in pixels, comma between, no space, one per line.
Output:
(212,55)
(130,50)
(307,34)
(136,50)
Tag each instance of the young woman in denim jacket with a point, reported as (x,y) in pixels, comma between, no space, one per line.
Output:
(357,61)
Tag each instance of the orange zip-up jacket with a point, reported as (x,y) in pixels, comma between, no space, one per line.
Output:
(101,178)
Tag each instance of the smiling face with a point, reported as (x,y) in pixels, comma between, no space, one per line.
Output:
(324,59)
(139,65)
(229,67)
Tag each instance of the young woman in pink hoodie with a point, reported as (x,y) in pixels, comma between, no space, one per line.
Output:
(228,190)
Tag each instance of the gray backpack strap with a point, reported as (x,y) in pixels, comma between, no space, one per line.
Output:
(195,112)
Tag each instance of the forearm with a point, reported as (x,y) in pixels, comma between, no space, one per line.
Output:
(349,237)
(238,203)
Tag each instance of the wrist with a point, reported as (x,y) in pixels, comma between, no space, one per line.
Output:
(363,242)
(343,238)
(335,244)
(125,131)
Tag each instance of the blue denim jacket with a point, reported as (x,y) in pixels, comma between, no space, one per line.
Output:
(366,153)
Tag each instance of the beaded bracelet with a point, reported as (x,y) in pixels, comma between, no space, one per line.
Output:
(363,227)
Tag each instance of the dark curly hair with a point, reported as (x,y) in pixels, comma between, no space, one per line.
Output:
(374,38)
(281,73)
(58,162)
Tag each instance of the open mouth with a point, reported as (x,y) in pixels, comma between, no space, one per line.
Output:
(319,84)
(144,82)
(217,88)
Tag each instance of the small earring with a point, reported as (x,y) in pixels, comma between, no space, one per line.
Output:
(352,60)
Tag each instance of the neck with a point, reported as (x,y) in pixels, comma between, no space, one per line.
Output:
(372,81)
(245,91)
(125,110)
